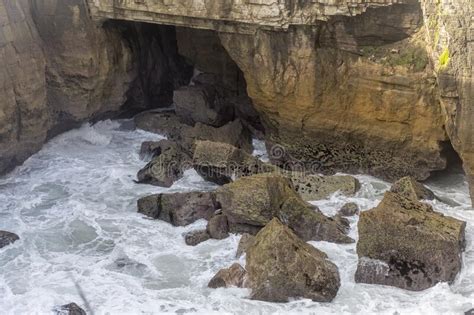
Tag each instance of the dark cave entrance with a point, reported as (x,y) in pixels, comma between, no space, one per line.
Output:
(187,69)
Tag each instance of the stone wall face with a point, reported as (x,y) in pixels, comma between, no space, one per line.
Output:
(450,27)
(337,104)
(58,69)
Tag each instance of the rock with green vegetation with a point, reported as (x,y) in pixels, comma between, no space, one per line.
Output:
(234,276)
(409,188)
(404,243)
(317,187)
(221,163)
(280,266)
(179,209)
(251,202)
(7,238)
(166,167)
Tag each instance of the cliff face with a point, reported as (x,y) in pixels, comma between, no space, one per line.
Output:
(378,87)
(59,69)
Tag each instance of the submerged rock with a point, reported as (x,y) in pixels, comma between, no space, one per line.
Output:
(251,202)
(179,209)
(71,309)
(281,266)
(7,238)
(234,276)
(221,163)
(349,209)
(317,187)
(404,243)
(167,166)
(410,188)
(194,238)
(245,242)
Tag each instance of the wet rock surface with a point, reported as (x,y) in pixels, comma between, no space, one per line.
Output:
(251,202)
(167,166)
(221,163)
(245,242)
(194,238)
(404,243)
(409,188)
(317,187)
(234,276)
(179,209)
(218,227)
(281,266)
(70,309)
(7,238)
(349,209)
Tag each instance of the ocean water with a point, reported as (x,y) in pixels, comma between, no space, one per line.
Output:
(73,204)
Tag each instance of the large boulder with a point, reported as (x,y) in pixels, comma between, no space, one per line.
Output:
(203,104)
(167,166)
(317,187)
(404,243)
(410,188)
(245,242)
(233,133)
(179,209)
(251,202)
(218,227)
(221,163)
(234,276)
(196,237)
(7,238)
(281,266)
(349,209)
(165,123)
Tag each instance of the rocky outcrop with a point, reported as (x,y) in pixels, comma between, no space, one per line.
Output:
(409,188)
(167,166)
(317,187)
(451,46)
(71,309)
(179,209)
(245,242)
(234,276)
(404,243)
(251,202)
(194,238)
(221,163)
(349,209)
(7,238)
(281,266)
(347,103)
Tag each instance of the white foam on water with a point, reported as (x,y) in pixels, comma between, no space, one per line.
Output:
(73,204)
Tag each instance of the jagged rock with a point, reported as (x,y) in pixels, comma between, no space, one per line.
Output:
(179,209)
(343,222)
(233,133)
(218,227)
(281,266)
(349,209)
(411,189)
(166,167)
(404,243)
(163,123)
(71,309)
(194,238)
(469,312)
(7,238)
(245,242)
(202,103)
(234,276)
(220,163)
(251,202)
(317,187)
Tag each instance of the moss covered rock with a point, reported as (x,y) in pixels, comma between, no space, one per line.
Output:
(281,266)
(404,243)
